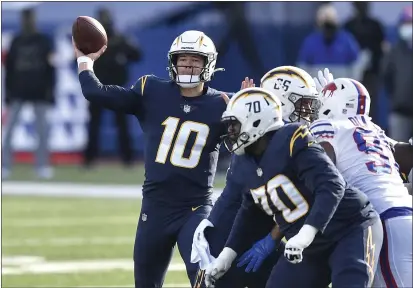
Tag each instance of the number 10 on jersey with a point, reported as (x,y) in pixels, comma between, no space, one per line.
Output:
(177,157)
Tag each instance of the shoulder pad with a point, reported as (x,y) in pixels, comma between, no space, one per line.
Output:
(300,137)
(150,77)
(142,83)
(159,79)
(323,129)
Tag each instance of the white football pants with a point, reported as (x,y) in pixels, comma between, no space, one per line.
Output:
(395,267)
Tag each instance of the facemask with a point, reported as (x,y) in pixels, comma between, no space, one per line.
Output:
(187,81)
(329,30)
(405,32)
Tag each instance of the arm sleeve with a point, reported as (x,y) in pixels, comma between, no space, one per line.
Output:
(230,198)
(325,131)
(113,97)
(248,215)
(315,168)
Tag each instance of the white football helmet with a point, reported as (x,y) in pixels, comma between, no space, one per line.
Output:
(192,42)
(250,114)
(343,98)
(296,90)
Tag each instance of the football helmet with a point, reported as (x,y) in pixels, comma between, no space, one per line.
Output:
(343,98)
(296,90)
(192,42)
(250,114)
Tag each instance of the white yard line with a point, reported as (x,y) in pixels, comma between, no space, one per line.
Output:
(81,266)
(169,285)
(71,190)
(176,285)
(20,260)
(74,190)
(39,265)
(113,286)
(66,221)
(74,241)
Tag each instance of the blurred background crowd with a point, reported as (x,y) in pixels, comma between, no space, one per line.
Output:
(46,121)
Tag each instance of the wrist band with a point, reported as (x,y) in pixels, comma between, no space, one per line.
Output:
(85,59)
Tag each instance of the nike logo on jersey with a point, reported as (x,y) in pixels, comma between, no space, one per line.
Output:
(195,208)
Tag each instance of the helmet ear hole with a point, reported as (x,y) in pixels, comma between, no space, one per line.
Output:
(342,87)
(256,123)
(174,59)
(327,112)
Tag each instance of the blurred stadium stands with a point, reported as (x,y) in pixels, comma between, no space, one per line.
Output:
(278,30)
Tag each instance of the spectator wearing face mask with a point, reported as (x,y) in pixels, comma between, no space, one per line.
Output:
(397,78)
(330,46)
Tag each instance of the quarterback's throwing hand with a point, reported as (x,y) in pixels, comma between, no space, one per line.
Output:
(92,56)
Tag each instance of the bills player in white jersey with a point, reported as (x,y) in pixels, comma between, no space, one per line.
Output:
(364,156)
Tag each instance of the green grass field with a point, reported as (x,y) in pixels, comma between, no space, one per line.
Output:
(74,242)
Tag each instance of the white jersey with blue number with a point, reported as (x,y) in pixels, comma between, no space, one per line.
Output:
(365,159)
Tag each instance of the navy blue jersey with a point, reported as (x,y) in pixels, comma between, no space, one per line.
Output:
(225,210)
(231,196)
(296,183)
(182,134)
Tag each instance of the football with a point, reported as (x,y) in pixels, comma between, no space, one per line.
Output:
(88,34)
